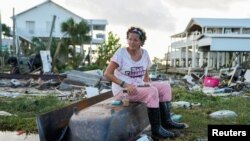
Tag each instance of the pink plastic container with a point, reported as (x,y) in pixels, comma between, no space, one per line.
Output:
(211,81)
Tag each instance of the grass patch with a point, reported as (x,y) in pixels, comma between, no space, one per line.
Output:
(198,117)
(25,109)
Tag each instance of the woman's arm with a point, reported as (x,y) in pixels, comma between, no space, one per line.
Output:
(146,77)
(109,73)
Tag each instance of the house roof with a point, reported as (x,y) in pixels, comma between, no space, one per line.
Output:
(45,2)
(99,21)
(218,22)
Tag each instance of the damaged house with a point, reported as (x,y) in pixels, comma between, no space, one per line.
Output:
(30,23)
(211,42)
(48,16)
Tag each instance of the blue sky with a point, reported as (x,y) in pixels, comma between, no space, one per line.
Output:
(159,18)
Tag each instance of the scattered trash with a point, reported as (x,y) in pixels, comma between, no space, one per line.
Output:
(195,104)
(4,83)
(3,113)
(211,81)
(189,79)
(15,83)
(247,76)
(76,94)
(181,104)
(222,94)
(144,137)
(176,118)
(223,90)
(9,94)
(46,61)
(217,91)
(195,88)
(237,93)
(171,81)
(91,91)
(116,102)
(208,90)
(223,114)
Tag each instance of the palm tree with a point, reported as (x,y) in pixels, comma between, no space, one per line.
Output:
(37,45)
(83,29)
(107,49)
(76,34)
(6,30)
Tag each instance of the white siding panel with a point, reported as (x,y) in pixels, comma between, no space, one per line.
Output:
(204,42)
(230,44)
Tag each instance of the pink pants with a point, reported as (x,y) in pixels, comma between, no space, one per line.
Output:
(157,92)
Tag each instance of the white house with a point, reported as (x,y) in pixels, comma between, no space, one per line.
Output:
(211,41)
(37,22)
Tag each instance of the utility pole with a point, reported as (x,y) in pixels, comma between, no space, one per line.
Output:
(0,34)
(91,42)
(51,31)
(1,44)
(14,33)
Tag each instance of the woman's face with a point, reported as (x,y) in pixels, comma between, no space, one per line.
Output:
(134,41)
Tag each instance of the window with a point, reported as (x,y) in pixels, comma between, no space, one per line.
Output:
(30,27)
(98,27)
(232,31)
(100,36)
(228,30)
(246,31)
(236,30)
(209,31)
(214,30)
(217,30)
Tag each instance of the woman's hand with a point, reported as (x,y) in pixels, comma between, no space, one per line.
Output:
(147,84)
(130,88)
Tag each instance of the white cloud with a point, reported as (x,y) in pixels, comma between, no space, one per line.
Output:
(205,4)
(147,13)
(159,18)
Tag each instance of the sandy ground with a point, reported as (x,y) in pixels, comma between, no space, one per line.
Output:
(13,136)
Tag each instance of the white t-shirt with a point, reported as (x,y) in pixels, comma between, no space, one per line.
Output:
(130,71)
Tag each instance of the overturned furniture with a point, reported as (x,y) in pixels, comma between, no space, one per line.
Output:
(106,122)
(93,119)
(54,125)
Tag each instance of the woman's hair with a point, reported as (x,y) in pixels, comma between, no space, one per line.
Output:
(138,31)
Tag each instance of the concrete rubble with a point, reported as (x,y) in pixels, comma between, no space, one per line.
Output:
(227,82)
(79,85)
(74,86)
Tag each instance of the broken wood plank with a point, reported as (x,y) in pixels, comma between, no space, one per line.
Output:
(34,76)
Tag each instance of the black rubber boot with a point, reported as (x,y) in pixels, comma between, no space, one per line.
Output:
(155,122)
(166,120)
